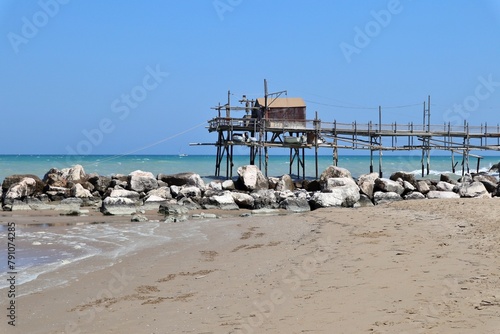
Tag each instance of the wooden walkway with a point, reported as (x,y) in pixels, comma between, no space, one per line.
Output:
(374,137)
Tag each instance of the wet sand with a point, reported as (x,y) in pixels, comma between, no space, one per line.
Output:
(427,266)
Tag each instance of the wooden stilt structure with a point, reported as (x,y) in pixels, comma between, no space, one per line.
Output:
(260,131)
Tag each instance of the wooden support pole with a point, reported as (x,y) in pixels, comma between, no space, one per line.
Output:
(423,156)
(266,152)
(453,162)
(316,139)
(303,164)
(371,155)
(231,162)
(298,162)
(380,141)
(428,158)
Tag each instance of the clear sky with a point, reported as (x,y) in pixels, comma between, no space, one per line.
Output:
(113,77)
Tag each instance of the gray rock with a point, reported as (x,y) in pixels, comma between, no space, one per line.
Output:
(285,183)
(176,219)
(116,183)
(183,179)
(190,192)
(264,199)
(474,189)
(17,205)
(224,201)
(189,203)
(92,201)
(78,191)
(244,201)
(489,182)
(444,186)
(366,184)
(364,201)
(251,178)
(434,194)
(140,181)
(332,183)
(122,193)
(75,213)
(273,182)
(215,185)
(173,209)
(387,185)
(345,196)
(295,204)
(54,177)
(163,192)
(423,187)
(302,193)
(414,195)
(120,177)
(175,191)
(23,188)
(13,179)
(152,203)
(445,178)
(118,206)
(408,187)
(161,183)
(333,172)
(57,193)
(408,177)
(380,197)
(75,173)
(228,185)
(139,218)
(282,195)
(38,205)
(100,183)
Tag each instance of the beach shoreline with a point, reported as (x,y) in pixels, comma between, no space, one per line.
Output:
(426,266)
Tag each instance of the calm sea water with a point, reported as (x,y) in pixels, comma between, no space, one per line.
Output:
(205,164)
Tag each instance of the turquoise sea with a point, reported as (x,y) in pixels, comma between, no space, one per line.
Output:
(205,164)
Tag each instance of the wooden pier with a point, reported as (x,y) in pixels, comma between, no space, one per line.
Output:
(266,126)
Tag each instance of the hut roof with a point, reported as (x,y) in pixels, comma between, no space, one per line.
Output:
(282,102)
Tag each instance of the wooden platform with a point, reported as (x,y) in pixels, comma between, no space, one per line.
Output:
(373,137)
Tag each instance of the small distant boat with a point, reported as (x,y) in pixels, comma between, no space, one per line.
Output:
(182,155)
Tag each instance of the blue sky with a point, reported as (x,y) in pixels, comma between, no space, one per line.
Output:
(113,77)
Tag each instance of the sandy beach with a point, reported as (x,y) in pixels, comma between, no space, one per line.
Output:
(427,266)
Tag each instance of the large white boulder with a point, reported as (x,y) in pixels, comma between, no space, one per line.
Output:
(366,183)
(118,206)
(475,189)
(434,194)
(25,187)
(142,181)
(252,178)
(79,191)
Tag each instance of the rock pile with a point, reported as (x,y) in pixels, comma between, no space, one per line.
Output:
(70,189)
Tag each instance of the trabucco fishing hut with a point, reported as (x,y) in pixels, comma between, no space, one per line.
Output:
(274,121)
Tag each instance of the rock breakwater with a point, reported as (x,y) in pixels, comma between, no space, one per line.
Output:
(72,191)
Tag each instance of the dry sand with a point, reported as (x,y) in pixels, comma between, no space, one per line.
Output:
(427,266)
